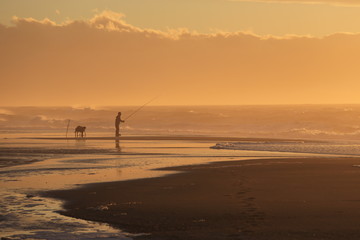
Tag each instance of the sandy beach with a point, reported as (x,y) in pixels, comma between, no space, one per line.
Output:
(31,166)
(179,187)
(294,198)
(179,138)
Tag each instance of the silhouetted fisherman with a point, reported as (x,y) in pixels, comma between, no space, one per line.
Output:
(117,124)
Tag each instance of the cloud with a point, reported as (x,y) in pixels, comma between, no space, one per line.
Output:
(107,61)
(331,2)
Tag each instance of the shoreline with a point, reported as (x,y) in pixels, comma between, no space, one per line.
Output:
(291,198)
(180,138)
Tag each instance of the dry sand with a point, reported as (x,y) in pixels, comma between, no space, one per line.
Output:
(304,198)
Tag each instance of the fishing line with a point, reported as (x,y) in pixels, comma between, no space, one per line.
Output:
(134,112)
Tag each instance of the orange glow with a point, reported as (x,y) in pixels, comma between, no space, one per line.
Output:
(106,61)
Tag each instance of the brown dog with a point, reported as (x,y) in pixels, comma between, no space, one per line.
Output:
(80,131)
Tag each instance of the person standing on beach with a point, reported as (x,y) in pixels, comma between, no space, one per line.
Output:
(117,124)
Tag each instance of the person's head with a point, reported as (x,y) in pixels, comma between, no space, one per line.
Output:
(119,113)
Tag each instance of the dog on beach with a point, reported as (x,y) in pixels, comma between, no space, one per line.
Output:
(80,131)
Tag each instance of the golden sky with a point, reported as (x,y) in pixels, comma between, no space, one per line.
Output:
(195,52)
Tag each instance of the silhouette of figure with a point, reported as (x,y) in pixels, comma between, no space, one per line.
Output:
(80,131)
(117,124)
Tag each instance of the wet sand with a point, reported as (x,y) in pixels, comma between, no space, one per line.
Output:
(180,138)
(297,198)
(15,162)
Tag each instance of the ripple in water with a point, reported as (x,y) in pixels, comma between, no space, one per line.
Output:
(20,220)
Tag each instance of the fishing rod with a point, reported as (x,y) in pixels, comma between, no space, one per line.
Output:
(67,129)
(134,112)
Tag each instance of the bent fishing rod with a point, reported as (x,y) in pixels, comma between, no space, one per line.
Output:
(134,112)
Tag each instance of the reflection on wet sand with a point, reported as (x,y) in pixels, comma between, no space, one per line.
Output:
(80,142)
(117,145)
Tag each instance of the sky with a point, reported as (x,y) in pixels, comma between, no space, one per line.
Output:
(198,52)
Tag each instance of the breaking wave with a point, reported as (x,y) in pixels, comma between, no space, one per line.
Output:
(337,148)
(291,121)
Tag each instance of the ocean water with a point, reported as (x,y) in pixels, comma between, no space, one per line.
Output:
(287,121)
(29,166)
